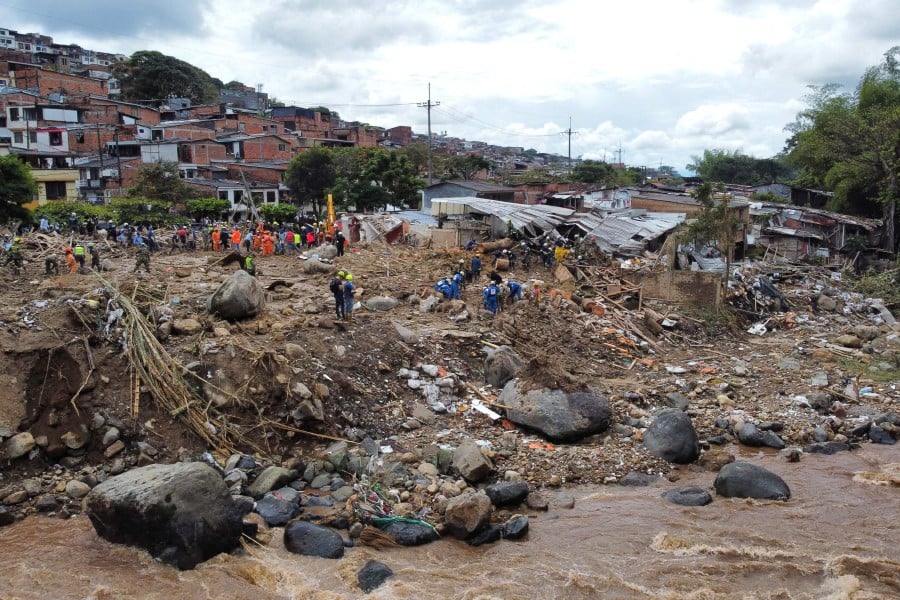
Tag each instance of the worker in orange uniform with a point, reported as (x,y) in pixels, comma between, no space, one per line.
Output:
(70,260)
(268,244)
(236,240)
(216,239)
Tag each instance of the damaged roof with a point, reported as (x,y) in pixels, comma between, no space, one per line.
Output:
(629,233)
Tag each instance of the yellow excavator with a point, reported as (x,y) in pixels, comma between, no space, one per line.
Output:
(330,219)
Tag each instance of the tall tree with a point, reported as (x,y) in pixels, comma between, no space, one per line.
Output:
(17,187)
(467,166)
(309,175)
(735,167)
(849,143)
(148,74)
(160,181)
(592,171)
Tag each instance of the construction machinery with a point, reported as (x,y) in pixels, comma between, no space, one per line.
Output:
(330,219)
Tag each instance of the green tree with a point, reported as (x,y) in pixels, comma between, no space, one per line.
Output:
(58,211)
(282,213)
(17,187)
(593,171)
(160,181)
(849,143)
(715,223)
(309,175)
(148,74)
(736,167)
(207,207)
(137,209)
(467,166)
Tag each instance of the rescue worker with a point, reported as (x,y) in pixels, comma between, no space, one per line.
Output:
(526,255)
(79,254)
(455,285)
(51,265)
(337,290)
(216,237)
(142,257)
(443,286)
(94,251)
(515,292)
(250,265)
(546,255)
(236,240)
(71,262)
(349,290)
(339,241)
(476,266)
(290,241)
(14,255)
(492,298)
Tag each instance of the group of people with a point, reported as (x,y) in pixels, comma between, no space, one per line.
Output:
(343,290)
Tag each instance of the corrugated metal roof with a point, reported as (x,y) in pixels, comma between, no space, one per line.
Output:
(522,216)
(476,186)
(629,234)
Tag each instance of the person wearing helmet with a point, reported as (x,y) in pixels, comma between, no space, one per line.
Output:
(71,262)
(94,251)
(515,291)
(455,286)
(142,258)
(79,254)
(14,256)
(475,267)
(349,290)
(336,287)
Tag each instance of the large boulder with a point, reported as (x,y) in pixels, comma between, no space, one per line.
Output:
(672,437)
(411,533)
(501,365)
(181,514)
(470,461)
(745,480)
(560,415)
(382,303)
(239,297)
(467,514)
(506,493)
(302,537)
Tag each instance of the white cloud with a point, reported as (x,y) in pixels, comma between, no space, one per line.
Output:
(662,79)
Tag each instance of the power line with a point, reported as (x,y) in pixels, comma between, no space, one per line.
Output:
(429,105)
(459,117)
(570,133)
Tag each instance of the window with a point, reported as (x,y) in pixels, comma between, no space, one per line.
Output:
(13,114)
(2,120)
(56,138)
(79,137)
(32,137)
(242,126)
(56,190)
(270,197)
(281,147)
(18,138)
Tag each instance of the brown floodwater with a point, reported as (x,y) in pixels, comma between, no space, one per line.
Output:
(837,538)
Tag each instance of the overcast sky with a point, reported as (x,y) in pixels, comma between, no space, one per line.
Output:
(662,79)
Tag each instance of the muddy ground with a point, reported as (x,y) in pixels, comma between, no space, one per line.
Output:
(66,376)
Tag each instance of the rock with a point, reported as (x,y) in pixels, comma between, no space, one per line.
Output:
(294,351)
(677,400)
(559,415)
(6,517)
(411,534)
(17,497)
(406,334)
(537,502)
(745,480)
(827,448)
(74,440)
(878,435)
(116,447)
(372,574)
(714,459)
(308,539)
(181,513)
(638,479)
(501,365)
(77,489)
(771,440)
(515,528)
(112,435)
(239,297)
(688,496)
(672,437)
(277,509)
(270,478)
(19,445)
(427,304)
(467,514)
(382,303)
(186,326)
(848,341)
(336,454)
(470,462)
(326,251)
(507,493)
(487,535)
(48,503)
(313,265)
(749,435)
(866,332)
(826,303)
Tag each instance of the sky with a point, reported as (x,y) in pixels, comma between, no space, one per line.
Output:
(653,81)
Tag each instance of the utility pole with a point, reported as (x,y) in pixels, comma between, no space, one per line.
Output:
(570,133)
(428,105)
